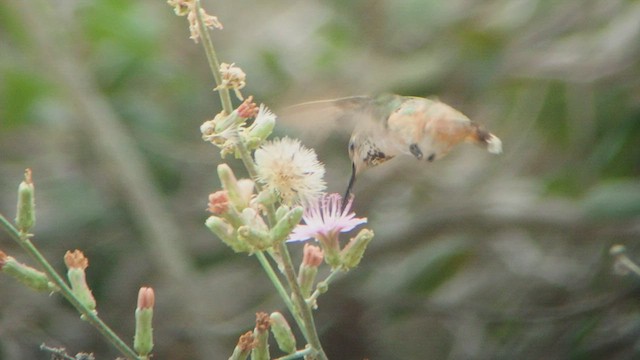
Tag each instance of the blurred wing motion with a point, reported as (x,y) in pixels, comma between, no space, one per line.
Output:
(388,125)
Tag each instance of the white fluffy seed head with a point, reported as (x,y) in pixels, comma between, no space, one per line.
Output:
(290,170)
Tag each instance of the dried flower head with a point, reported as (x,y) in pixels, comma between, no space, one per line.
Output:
(232,78)
(76,264)
(247,341)
(326,218)
(290,170)
(189,8)
(76,260)
(263,322)
(181,7)
(223,131)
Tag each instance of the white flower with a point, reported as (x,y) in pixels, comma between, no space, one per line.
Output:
(290,170)
(262,126)
(265,115)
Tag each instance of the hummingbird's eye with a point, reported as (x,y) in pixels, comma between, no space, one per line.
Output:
(352,147)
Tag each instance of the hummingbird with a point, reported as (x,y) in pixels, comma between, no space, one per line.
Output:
(390,125)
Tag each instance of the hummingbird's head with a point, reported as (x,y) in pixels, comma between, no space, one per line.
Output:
(364,153)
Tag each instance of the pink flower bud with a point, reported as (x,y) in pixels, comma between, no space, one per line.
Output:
(312,255)
(146,298)
(218,202)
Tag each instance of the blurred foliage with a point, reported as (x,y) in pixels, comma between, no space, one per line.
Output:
(477,256)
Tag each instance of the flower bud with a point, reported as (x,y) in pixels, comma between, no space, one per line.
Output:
(218,202)
(261,128)
(282,211)
(256,239)
(311,259)
(143,338)
(223,230)
(230,184)
(219,129)
(246,343)
(312,256)
(282,333)
(246,187)
(223,121)
(354,250)
(280,232)
(27,275)
(266,198)
(76,264)
(330,248)
(26,212)
(251,218)
(261,335)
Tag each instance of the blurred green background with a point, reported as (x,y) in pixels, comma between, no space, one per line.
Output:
(475,256)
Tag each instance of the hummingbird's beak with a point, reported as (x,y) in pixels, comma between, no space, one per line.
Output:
(352,182)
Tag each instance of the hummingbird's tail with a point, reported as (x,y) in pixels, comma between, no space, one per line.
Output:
(482,137)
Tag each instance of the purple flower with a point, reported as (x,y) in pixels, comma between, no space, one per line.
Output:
(325,219)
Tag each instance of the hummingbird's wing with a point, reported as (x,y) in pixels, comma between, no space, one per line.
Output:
(316,121)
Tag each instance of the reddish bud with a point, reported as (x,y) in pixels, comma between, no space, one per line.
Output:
(218,202)
(146,298)
(248,108)
(312,255)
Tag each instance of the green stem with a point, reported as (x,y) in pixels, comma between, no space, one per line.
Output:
(297,355)
(325,283)
(245,156)
(280,288)
(212,59)
(23,240)
(59,352)
(225,98)
(308,327)
(305,310)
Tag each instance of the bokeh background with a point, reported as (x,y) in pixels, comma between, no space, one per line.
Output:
(475,256)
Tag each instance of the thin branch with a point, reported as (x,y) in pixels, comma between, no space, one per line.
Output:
(23,240)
